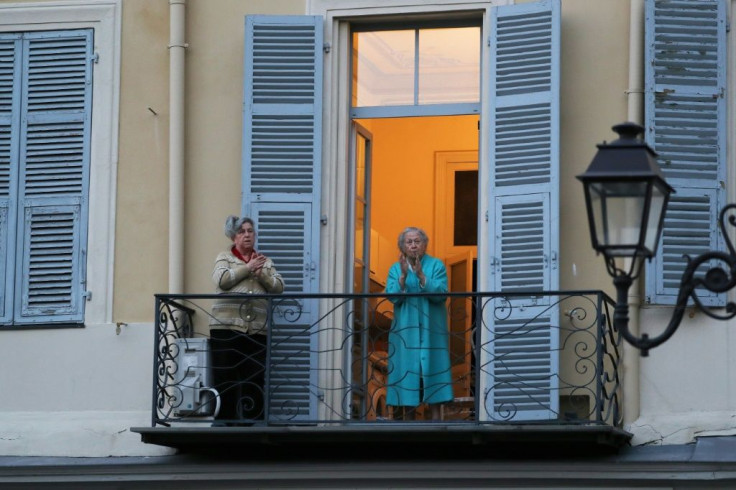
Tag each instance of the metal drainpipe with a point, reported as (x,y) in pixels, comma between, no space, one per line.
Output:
(177,51)
(635,95)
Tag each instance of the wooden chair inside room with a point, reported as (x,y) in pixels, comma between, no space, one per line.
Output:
(376,387)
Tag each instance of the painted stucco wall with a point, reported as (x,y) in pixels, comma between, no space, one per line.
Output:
(141,235)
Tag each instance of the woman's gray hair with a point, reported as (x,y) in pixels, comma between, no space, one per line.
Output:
(233,225)
(409,229)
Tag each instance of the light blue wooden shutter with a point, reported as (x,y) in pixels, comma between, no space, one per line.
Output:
(281,189)
(54,175)
(9,109)
(519,349)
(686,125)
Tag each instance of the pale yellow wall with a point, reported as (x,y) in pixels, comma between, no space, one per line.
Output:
(594,78)
(141,231)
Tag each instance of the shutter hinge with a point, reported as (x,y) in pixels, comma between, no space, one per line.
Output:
(326,47)
(323,219)
(88,295)
(95,58)
(489,41)
(728,27)
(486,214)
(495,265)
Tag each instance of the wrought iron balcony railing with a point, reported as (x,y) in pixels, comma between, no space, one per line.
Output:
(333,359)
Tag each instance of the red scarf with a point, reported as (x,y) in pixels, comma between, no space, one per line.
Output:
(241,257)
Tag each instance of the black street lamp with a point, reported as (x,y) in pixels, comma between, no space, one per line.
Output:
(626,198)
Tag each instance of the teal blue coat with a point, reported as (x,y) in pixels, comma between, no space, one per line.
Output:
(419,338)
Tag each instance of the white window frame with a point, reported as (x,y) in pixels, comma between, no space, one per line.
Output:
(336,127)
(104,17)
(335,204)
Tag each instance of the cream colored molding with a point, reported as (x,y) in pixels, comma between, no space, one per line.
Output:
(388,7)
(104,17)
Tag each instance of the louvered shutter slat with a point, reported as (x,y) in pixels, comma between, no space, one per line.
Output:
(53,183)
(55,154)
(686,126)
(57,74)
(524,366)
(281,190)
(10,84)
(520,347)
(282,235)
(523,145)
(9,66)
(51,273)
(282,154)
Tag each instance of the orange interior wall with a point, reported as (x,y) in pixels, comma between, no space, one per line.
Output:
(403,172)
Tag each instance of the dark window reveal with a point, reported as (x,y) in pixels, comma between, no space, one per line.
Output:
(466,208)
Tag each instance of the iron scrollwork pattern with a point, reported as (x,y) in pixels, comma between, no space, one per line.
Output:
(328,360)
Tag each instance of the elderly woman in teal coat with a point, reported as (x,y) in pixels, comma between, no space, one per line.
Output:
(418,357)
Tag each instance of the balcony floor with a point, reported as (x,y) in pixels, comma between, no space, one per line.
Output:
(419,439)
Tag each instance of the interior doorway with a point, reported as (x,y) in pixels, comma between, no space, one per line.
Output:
(456,203)
(423,172)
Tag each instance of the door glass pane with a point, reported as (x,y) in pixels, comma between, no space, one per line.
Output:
(383,68)
(466,208)
(361,213)
(360,157)
(359,230)
(358,272)
(449,65)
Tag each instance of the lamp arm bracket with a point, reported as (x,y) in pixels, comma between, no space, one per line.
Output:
(716,279)
(731,221)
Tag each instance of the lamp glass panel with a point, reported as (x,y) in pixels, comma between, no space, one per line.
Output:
(618,212)
(656,208)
